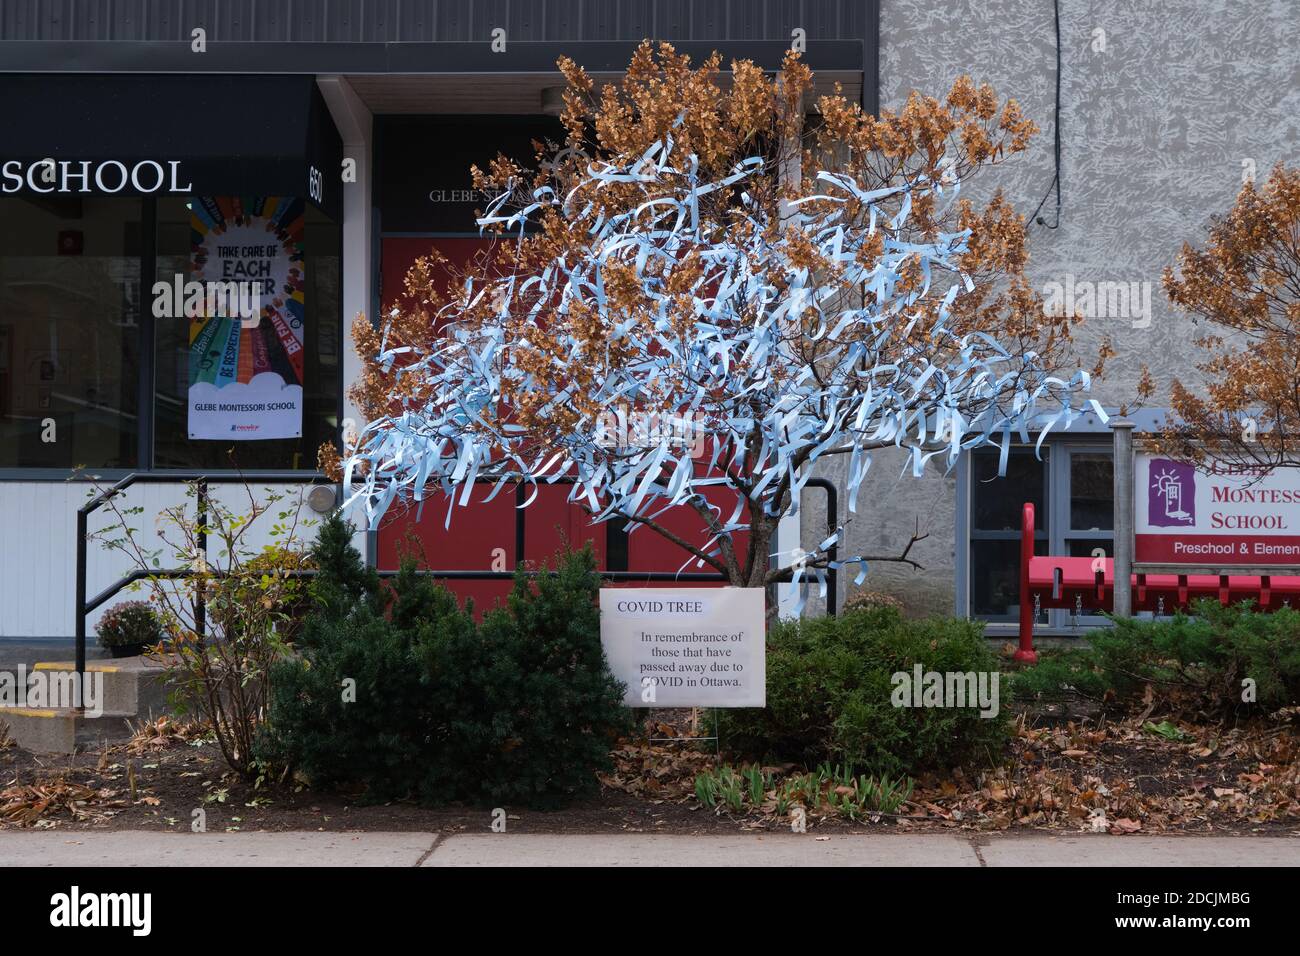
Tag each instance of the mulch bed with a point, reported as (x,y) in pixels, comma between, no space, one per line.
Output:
(1066,771)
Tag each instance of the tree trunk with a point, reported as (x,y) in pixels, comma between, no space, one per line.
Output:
(762,529)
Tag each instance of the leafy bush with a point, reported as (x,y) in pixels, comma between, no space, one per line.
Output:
(518,709)
(1058,672)
(354,709)
(354,714)
(343,584)
(226,622)
(127,623)
(830,688)
(869,599)
(263,576)
(1201,659)
(529,709)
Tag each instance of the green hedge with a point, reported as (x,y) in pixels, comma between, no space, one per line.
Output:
(1208,659)
(830,691)
(520,709)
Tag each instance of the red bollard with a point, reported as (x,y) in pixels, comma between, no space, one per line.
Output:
(1026,651)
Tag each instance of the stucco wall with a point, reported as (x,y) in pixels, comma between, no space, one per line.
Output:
(1155,129)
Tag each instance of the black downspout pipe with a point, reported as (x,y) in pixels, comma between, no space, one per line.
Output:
(521,495)
(81,599)
(832,522)
(200,597)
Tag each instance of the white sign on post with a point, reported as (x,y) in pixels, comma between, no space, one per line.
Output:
(686,647)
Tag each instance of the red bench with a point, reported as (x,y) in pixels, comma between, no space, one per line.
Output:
(1088,584)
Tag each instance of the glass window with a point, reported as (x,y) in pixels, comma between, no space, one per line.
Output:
(996,505)
(1091,513)
(173,446)
(1084,547)
(997,500)
(1092,491)
(995,577)
(1072,492)
(69,336)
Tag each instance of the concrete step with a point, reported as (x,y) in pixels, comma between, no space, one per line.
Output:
(127,691)
(65,730)
(132,685)
(14,652)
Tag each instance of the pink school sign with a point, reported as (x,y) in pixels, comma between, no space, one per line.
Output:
(1215,514)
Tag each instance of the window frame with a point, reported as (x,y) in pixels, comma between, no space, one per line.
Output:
(146,345)
(1055,530)
(48,473)
(1061,531)
(1013,533)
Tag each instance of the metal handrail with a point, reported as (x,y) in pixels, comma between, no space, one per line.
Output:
(85,605)
(201,480)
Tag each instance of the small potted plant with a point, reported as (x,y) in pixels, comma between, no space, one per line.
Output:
(126,629)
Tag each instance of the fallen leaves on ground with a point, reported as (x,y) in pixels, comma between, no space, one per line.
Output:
(162,732)
(659,770)
(1122,777)
(1098,775)
(39,804)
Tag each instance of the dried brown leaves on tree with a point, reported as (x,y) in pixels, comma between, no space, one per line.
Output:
(1244,287)
(722,117)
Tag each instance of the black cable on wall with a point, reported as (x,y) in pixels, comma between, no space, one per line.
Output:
(1056,123)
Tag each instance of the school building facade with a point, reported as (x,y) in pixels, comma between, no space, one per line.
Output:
(147,142)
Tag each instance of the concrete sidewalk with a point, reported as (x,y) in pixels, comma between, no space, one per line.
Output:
(150,848)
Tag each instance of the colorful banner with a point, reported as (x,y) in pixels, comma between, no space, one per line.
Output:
(1215,514)
(246,318)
